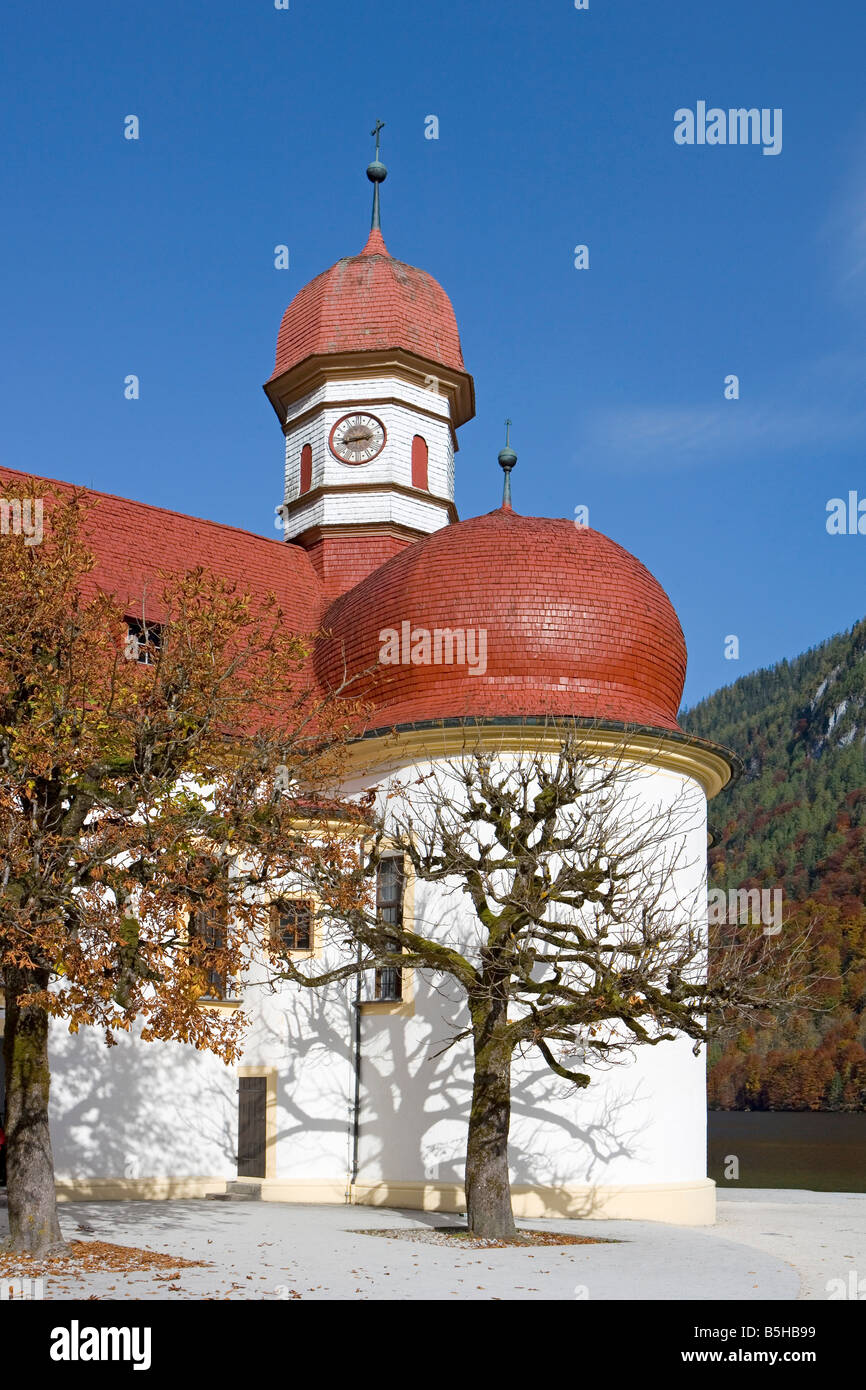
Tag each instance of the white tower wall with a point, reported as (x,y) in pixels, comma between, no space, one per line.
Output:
(359,494)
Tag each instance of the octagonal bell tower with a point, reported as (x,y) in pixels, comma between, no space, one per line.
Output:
(370,388)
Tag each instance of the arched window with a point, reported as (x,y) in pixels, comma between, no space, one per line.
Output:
(419,463)
(306,468)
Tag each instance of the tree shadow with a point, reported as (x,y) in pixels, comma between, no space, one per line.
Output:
(139,1110)
(415,1097)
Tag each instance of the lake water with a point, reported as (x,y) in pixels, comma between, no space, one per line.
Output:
(820,1152)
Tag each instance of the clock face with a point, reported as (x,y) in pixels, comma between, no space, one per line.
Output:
(357,438)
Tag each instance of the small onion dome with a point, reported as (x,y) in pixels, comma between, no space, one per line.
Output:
(366,303)
(573,626)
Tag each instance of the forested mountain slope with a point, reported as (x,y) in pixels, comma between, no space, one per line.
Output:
(796,819)
(797,816)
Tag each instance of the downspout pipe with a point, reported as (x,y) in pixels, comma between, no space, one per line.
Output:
(356,1108)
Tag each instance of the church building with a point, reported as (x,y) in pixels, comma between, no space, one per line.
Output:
(537,619)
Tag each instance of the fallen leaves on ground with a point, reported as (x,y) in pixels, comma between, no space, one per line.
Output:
(94,1257)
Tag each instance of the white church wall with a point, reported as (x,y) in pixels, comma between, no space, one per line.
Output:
(164,1111)
(641,1121)
(416,1090)
(307,1037)
(140,1109)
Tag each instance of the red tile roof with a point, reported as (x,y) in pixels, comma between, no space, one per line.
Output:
(366,303)
(575,626)
(134,542)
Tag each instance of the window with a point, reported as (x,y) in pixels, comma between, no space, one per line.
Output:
(389,909)
(306,468)
(419,463)
(208,933)
(293,925)
(143,641)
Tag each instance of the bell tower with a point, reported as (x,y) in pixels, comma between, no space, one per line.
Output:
(370,389)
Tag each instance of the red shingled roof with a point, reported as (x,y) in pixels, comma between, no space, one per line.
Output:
(366,303)
(575,625)
(135,542)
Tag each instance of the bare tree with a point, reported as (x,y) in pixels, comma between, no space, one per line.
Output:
(587,932)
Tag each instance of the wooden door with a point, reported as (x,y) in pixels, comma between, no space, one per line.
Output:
(252,1126)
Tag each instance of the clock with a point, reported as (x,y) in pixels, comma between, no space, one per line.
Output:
(357,438)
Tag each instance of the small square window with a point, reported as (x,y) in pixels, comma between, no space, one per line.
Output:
(143,641)
(293,925)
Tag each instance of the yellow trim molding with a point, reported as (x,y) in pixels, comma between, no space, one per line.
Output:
(136,1189)
(400,1008)
(320,1192)
(701,762)
(678,1204)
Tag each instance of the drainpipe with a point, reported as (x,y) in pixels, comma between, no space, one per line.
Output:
(356,1108)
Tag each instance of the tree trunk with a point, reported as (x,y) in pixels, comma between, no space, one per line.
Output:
(33,1225)
(488,1189)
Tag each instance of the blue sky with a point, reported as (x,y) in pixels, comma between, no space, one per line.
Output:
(155,257)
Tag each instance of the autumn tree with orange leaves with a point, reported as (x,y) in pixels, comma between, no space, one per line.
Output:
(155,786)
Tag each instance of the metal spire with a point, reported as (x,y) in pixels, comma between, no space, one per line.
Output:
(376,173)
(507,460)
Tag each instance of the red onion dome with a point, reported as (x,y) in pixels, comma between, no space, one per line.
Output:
(556,619)
(367,303)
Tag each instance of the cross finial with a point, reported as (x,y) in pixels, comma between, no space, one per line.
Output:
(376,173)
(507,460)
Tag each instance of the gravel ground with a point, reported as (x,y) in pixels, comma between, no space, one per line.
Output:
(767,1245)
(457,1239)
